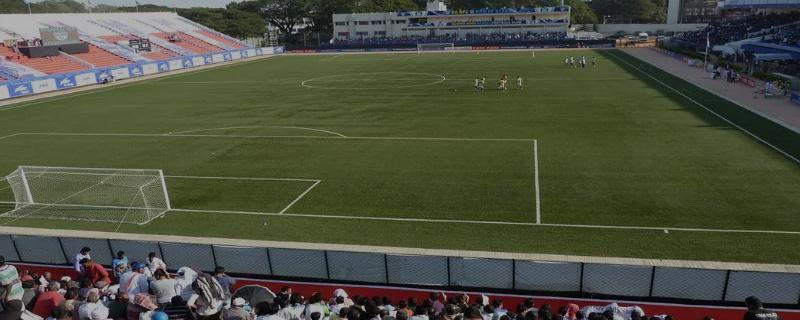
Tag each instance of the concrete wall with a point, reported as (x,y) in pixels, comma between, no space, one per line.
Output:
(609,29)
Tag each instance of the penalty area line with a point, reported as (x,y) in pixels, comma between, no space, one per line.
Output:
(507,223)
(299,197)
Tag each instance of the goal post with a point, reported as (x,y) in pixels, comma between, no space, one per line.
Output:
(445,46)
(88,194)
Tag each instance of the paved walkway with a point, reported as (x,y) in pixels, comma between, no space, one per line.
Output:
(779,110)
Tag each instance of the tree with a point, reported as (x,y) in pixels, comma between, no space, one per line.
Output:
(13,6)
(283,14)
(581,12)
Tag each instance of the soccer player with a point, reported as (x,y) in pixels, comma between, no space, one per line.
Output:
(519,82)
(572,61)
(504,82)
(583,62)
(594,61)
(482,83)
(566,61)
(477,83)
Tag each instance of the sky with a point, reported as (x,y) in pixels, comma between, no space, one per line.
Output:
(169,3)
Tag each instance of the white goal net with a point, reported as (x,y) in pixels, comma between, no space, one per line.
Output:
(88,194)
(435,47)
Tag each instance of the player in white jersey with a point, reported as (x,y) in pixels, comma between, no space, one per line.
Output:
(482,83)
(477,83)
(572,61)
(594,61)
(519,82)
(583,61)
(566,61)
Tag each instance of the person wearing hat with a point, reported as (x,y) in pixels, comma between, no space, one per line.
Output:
(134,281)
(120,260)
(237,312)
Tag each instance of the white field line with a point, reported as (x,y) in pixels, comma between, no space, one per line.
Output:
(243,178)
(263,136)
(299,197)
(555,225)
(536,181)
(210,82)
(254,127)
(9,136)
(706,108)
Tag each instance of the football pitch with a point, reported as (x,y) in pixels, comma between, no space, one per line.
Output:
(399,150)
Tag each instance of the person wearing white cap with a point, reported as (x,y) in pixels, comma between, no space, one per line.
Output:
(237,312)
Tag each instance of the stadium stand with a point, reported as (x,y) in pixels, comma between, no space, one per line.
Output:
(48,65)
(184,43)
(108,36)
(757,27)
(139,289)
(227,41)
(101,58)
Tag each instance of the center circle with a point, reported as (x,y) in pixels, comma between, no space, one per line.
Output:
(374,81)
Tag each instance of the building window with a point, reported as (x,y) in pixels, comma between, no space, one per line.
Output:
(376,22)
(380,33)
(399,22)
(343,34)
(363,23)
(341,23)
(362,33)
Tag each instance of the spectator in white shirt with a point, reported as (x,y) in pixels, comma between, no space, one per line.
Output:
(154,263)
(93,309)
(134,281)
(83,254)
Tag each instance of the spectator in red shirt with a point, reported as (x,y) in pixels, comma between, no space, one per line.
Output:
(48,300)
(96,273)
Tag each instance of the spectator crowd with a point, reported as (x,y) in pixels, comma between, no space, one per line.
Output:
(761,25)
(145,290)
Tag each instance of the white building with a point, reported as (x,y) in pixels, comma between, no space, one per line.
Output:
(437,21)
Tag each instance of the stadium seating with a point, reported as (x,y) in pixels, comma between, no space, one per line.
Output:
(101,58)
(186,42)
(234,44)
(757,27)
(107,36)
(49,65)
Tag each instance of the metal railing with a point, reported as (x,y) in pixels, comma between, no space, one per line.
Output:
(444,271)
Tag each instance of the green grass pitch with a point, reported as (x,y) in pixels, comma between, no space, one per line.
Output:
(403,146)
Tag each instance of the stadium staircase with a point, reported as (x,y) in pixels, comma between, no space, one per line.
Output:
(199,43)
(48,65)
(230,43)
(101,58)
